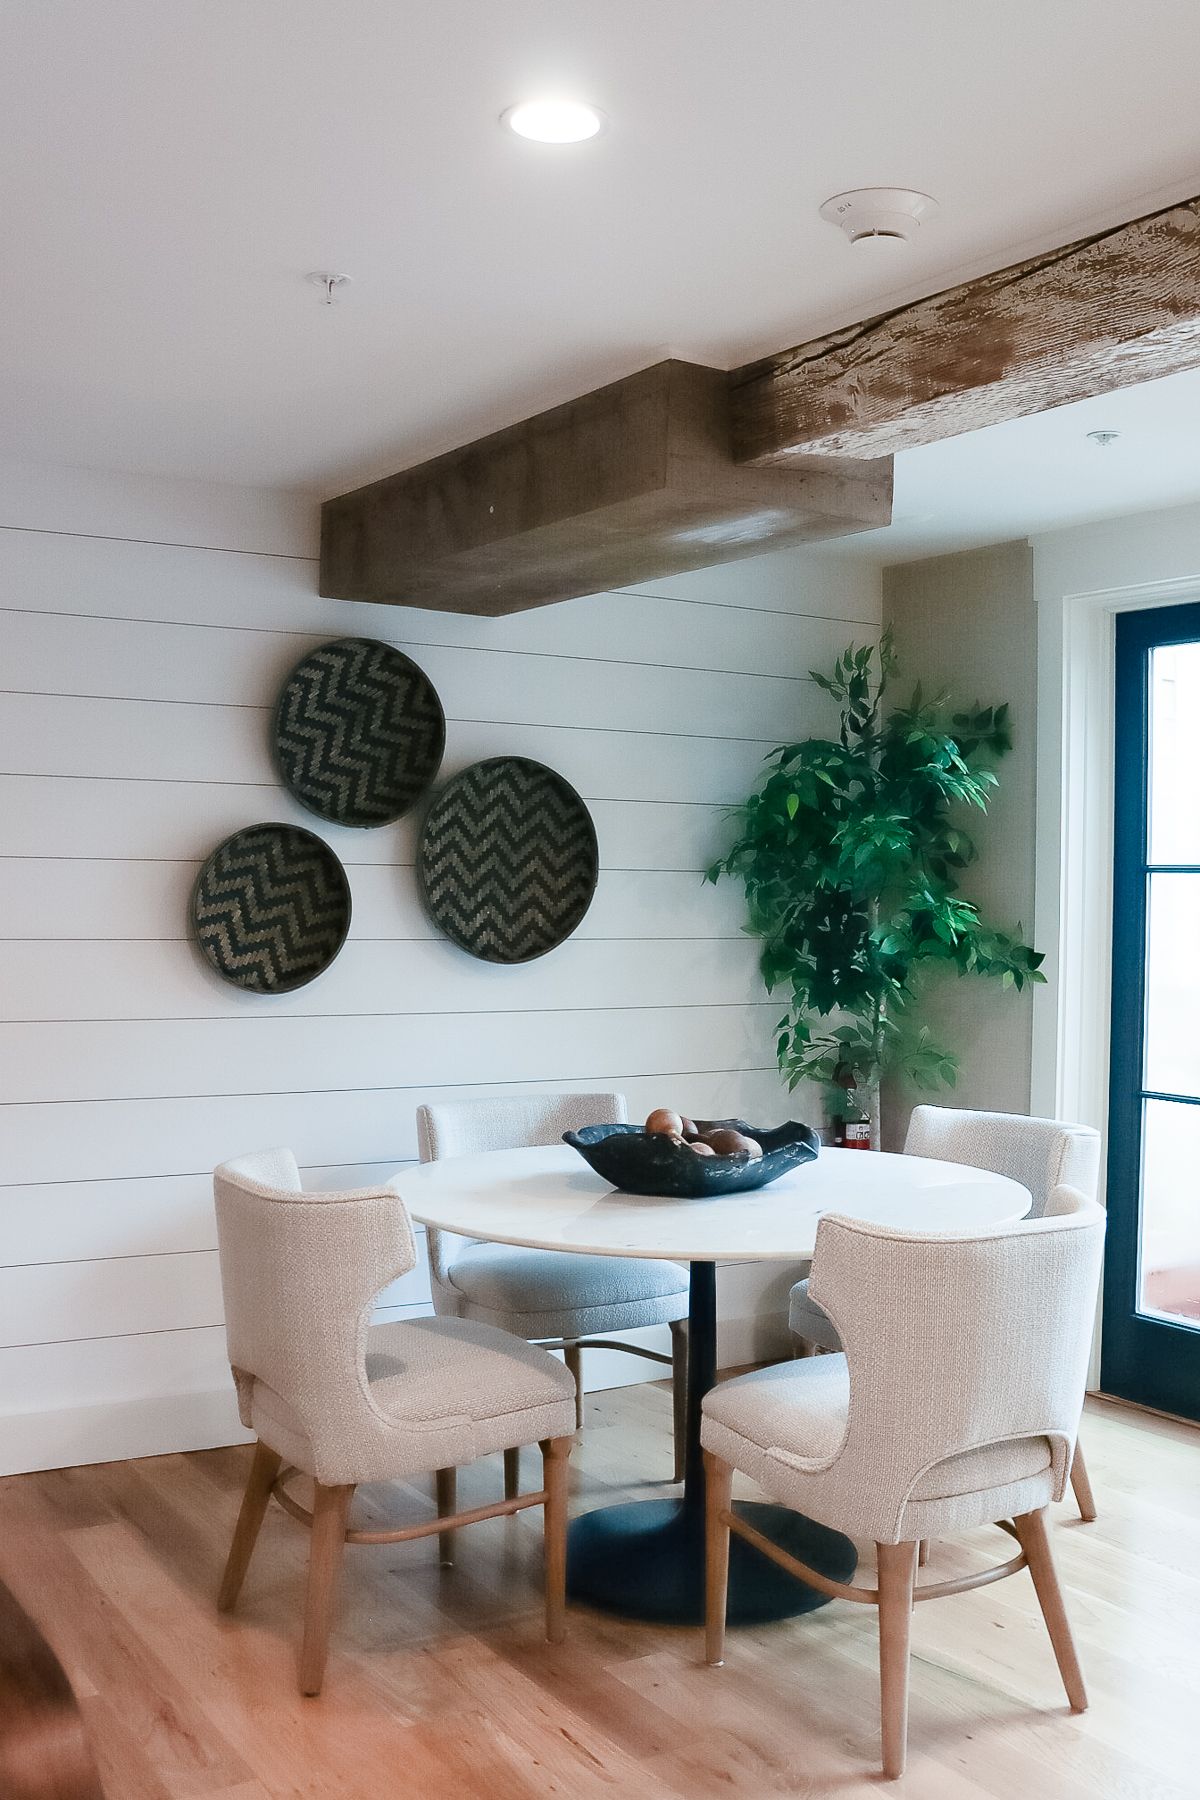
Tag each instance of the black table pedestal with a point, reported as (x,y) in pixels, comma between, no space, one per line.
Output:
(645,1559)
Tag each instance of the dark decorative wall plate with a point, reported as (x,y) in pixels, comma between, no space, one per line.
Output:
(508,859)
(271,908)
(359,732)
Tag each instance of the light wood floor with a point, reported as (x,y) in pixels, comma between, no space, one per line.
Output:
(440,1686)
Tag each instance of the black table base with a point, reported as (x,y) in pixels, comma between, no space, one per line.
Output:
(645,1559)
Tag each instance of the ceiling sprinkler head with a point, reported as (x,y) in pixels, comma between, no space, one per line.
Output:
(1102,439)
(890,214)
(330,283)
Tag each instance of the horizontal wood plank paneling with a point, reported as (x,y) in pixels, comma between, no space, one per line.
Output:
(120,1296)
(213,745)
(115,1139)
(94,1372)
(47,572)
(279,1053)
(142,1215)
(89,898)
(113,981)
(146,820)
(171,668)
(137,683)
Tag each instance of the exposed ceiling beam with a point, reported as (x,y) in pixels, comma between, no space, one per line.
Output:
(1120,307)
(629,483)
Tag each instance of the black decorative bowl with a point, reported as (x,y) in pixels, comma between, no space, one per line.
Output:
(643,1162)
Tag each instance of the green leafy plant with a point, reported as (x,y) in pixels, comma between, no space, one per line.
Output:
(850,852)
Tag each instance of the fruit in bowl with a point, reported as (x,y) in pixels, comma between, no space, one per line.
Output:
(706,1139)
(674,1155)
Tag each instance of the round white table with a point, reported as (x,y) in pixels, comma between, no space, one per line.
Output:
(645,1559)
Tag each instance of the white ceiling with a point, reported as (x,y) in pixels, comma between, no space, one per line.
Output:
(171,172)
(1037,474)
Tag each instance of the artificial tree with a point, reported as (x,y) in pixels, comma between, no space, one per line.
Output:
(850,852)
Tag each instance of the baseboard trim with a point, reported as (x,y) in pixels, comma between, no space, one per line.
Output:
(119,1431)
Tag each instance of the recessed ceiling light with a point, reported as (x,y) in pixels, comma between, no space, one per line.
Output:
(554,121)
(877,217)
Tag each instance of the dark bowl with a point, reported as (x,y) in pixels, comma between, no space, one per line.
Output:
(643,1162)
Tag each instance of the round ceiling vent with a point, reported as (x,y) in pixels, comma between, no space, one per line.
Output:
(865,214)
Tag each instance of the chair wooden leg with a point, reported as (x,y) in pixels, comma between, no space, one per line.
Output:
(1031,1535)
(330,1508)
(555,1471)
(255,1500)
(447,1498)
(1081,1482)
(512,1474)
(897,1572)
(573,1357)
(922,1553)
(718,1486)
(679,1342)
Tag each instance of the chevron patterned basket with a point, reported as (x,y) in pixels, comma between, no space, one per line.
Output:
(508,860)
(271,908)
(358,732)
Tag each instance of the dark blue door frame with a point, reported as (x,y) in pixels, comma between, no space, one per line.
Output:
(1144,1357)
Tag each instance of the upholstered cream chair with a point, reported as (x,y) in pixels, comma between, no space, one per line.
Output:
(1039,1153)
(344,1401)
(550,1296)
(955,1404)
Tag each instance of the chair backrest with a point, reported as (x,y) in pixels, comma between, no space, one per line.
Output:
(516,1122)
(1039,1153)
(300,1272)
(958,1341)
(463,1127)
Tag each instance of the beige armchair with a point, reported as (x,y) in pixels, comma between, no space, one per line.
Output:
(345,1402)
(550,1296)
(954,1405)
(1039,1153)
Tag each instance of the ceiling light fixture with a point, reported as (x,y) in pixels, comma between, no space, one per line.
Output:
(554,121)
(1102,439)
(881,216)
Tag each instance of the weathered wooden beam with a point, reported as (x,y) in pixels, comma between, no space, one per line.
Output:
(629,483)
(1120,307)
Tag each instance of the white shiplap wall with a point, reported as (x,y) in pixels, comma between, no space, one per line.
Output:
(144,629)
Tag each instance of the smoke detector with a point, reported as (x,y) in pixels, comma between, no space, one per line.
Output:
(880,214)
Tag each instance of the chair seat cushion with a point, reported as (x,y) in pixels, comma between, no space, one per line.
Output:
(444,1391)
(552,1293)
(801,1407)
(785,1425)
(809,1321)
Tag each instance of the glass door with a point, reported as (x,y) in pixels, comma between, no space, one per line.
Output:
(1151,1341)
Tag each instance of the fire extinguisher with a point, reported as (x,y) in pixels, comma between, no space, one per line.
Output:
(850,1124)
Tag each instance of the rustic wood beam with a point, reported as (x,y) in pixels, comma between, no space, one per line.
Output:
(629,483)
(1119,307)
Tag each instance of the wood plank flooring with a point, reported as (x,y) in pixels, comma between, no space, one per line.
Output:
(440,1685)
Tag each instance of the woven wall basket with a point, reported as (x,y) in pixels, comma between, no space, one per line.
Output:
(508,860)
(358,732)
(271,908)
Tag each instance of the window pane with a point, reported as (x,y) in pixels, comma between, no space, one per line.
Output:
(1175,753)
(1173,985)
(1170,1238)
